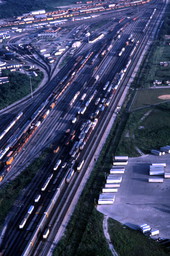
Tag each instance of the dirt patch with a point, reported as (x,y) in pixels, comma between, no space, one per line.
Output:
(164,97)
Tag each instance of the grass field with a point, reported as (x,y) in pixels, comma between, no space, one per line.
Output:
(54,4)
(98,24)
(149,97)
(128,242)
(17,88)
(146,129)
(92,242)
(149,120)
(151,69)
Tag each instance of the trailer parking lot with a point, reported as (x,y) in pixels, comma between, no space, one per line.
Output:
(138,201)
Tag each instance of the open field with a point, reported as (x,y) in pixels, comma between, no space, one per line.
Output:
(11,8)
(55,4)
(146,129)
(148,124)
(145,98)
(92,241)
(157,72)
(17,88)
(159,52)
(125,241)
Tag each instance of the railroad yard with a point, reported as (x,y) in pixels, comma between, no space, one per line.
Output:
(89,57)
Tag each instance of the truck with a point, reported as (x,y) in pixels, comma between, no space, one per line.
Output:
(144,228)
(167,175)
(112,185)
(117,171)
(159,164)
(125,158)
(121,162)
(155,180)
(109,190)
(165,149)
(156,152)
(114,179)
(154,232)
(156,170)
(106,199)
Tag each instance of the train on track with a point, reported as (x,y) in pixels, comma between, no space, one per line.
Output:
(51,17)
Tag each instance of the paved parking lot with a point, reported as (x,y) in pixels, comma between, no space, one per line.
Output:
(138,201)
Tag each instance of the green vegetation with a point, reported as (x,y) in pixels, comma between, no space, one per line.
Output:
(146,129)
(17,88)
(64,61)
(132,243)
(11,8)
(159,52)
(10,192)
(149,97)
(54,4)
(92,241)
(152,70)
(98,24)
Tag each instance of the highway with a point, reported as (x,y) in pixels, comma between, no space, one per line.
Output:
(110,61)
